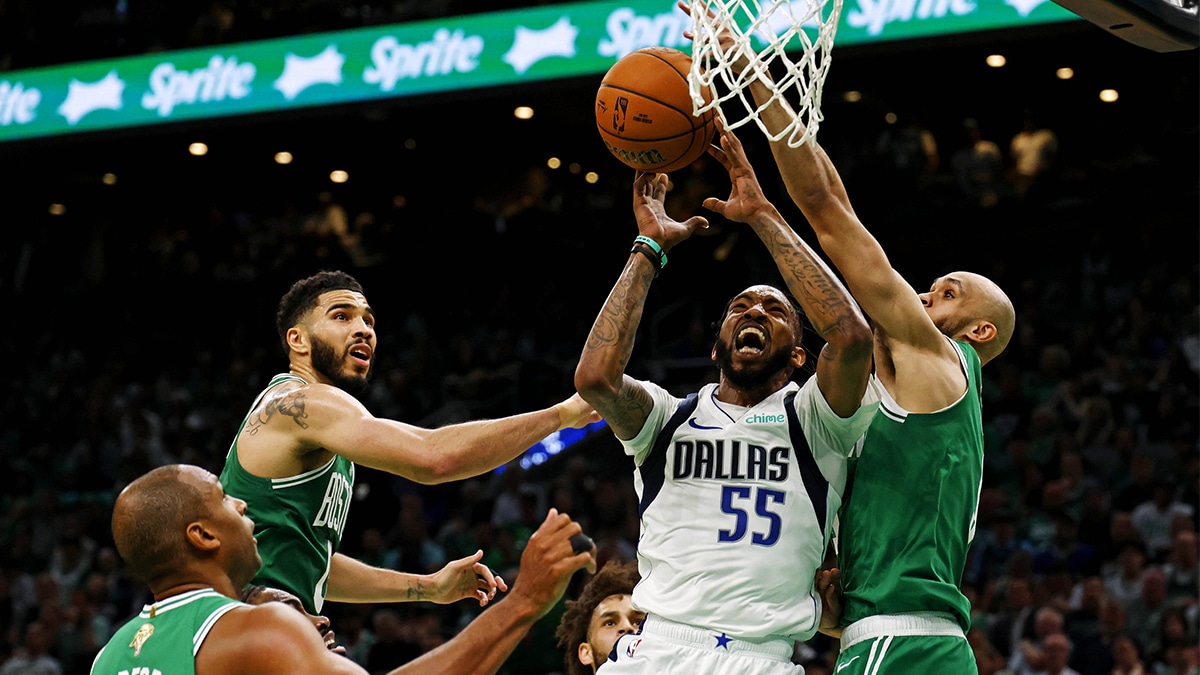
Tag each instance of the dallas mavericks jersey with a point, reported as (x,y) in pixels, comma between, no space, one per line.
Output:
(735,507)
(910,509)
(298,520)
(164,638)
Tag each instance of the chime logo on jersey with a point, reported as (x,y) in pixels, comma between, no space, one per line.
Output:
(140,637)
(716,460)
(336,504)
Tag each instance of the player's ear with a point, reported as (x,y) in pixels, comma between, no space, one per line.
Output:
(713,356)
(297,339)
(799,356)
(984,331)
(201,537)
(585,654)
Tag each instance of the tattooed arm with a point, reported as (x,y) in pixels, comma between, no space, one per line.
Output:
(354,581)
(845,361)
(600,375)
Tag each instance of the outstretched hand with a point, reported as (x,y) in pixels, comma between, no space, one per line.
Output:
(649,192)
(466,578)
(746,199)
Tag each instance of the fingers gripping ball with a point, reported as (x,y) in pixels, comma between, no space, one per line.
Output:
(581,543)
(644,111)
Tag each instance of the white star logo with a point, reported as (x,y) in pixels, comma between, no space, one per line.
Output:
(84,97)
(1024,7)
(532,46)
(300,73)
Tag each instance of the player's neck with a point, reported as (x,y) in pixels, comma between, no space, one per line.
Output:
(727,392)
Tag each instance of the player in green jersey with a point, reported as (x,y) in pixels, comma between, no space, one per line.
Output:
(908,515)
(293,458)
(192,544)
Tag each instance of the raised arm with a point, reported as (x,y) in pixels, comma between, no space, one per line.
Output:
(815,186)
(600,375)
(547,565)
(300,419)
(844,364)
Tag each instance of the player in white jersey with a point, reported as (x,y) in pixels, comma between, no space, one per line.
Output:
(739,482)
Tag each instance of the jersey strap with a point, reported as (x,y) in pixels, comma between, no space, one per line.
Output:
(814,482)
(654,468)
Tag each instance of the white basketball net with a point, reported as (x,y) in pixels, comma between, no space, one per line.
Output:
(763,34)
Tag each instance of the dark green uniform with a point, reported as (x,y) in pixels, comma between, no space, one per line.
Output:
(164,638)
(298,520)
(906,523)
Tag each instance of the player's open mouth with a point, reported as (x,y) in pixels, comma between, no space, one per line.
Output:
(329,639)
(750,340)
(361,353)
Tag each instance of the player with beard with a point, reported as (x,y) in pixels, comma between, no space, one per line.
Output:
(738,483)
(292,461)
(901,568)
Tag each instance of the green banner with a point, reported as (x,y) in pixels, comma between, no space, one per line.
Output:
(462,52)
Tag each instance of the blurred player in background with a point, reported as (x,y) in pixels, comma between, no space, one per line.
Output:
(603,613)
(192,544)
(738,483)
(292,461)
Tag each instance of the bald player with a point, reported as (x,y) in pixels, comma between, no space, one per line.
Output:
(193,545)
(908,515)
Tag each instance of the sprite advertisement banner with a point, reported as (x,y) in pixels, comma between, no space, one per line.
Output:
(461,52)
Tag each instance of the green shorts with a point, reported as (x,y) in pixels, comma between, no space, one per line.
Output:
(906,644)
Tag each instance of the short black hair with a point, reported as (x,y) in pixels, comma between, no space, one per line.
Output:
(302,297)
(149,520)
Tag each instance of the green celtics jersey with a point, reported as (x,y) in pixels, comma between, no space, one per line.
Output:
(298,520)
(164,638)
(908,516)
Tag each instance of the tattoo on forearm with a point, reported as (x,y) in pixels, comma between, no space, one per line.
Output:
(825,300)
(611,341)
(416,591)
(290,404)
(622,312)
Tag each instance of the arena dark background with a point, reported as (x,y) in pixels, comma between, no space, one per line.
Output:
(140,321)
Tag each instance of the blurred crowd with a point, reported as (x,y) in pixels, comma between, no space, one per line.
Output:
(142,344)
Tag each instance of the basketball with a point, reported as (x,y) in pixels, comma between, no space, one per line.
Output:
(644,111)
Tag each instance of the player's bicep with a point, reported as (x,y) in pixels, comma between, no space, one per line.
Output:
(842,377)
(627,409)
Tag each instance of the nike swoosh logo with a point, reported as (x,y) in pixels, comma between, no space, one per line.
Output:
(843,666)
(692,424)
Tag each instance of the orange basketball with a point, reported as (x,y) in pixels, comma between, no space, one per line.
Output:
(644,111)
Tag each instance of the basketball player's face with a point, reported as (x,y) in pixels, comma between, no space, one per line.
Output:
(343,339)
(757,338)
(227,517)
(612,618)
(946,304)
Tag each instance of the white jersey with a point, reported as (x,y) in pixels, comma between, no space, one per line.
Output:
(737,506)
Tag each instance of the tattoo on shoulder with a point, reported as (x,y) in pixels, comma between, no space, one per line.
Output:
(289,404)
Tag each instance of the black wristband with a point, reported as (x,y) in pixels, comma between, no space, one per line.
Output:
(650,255)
